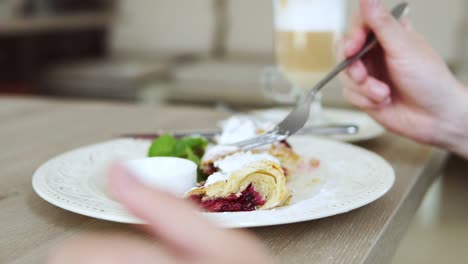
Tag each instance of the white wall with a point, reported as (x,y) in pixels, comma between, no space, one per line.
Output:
(438,20)
(251,26)
(168,26)
(163,26)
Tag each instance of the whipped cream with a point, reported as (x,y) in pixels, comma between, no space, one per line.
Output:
(217,177)
(235,129)
(234,162)
(241,159)
(310,15)
(214,152)
(241,127)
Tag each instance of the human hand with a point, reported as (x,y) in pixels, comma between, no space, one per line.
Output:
(404,84)
(177,233)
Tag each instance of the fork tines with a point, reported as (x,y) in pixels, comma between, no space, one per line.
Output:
(265,139)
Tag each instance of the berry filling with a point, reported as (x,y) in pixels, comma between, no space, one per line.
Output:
(286,144)
(209,169)
(249,200)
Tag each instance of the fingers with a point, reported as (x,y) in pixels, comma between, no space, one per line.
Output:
(377,91)
(357,72)
(365,91)
(357,36)
(367,85)
(170,219)
(389,32)
(184,235)
(407,24)
(106,248)
(358,100)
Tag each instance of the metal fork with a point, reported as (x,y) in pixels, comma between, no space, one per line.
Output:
(299,116)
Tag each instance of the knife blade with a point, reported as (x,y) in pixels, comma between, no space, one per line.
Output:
(328,130)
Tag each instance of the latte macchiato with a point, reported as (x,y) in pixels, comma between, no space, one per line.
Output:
(306,33)
(305,56)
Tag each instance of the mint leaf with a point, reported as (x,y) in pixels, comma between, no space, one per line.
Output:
(191,148)
(191,156)
(163,146)
(201,176)
(180,149)
(195,142)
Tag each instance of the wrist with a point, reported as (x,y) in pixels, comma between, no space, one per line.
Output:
(453,125)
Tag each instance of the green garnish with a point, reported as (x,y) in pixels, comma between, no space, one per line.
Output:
(191,148)
(164,146)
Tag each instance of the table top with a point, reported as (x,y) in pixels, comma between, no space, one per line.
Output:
(34,130)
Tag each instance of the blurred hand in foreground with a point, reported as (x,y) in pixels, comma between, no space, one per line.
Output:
(178,234)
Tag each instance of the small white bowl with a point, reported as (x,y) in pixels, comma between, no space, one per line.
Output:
(174,175)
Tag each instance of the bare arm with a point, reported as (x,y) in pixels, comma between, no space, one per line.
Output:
(453,130)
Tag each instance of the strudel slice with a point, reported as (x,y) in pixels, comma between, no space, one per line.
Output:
(244,182)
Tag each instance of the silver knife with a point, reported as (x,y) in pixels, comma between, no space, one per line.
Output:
(328,130)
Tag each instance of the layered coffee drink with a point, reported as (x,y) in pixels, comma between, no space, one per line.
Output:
(306,34)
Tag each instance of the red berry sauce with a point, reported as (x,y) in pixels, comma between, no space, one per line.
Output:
(249,200)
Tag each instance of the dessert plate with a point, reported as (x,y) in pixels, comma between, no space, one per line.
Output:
(348,177)
(368,128)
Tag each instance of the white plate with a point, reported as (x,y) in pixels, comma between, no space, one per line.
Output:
(368,128)
(348,178)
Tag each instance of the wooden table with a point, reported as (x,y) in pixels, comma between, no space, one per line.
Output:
(34,130)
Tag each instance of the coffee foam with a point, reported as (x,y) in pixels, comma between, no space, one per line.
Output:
(310,15)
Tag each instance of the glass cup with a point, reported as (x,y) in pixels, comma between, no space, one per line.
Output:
(306,34)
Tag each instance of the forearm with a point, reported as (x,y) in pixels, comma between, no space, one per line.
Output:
(454,129)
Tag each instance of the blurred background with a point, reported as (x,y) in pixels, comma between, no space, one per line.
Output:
(203,52)
(199,51)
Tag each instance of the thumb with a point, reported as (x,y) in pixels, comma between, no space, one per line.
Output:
(174,222)
(391,34)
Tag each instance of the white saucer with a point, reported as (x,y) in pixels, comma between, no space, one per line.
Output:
(368,128)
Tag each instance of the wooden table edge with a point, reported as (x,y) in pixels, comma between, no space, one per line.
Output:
(387,243)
